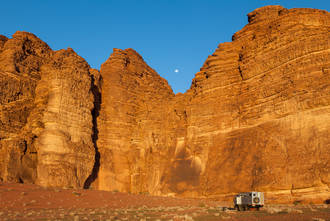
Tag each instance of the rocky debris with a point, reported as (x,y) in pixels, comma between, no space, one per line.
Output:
(255,118)
(101,205)
(282,209)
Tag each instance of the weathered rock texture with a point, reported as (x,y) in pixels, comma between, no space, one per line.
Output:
(133,124)
(260,107)
(46,122)
(257,116)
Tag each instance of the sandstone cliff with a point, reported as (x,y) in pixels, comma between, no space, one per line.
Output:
(256,117)
(265,120)
(46,122)
(132,124)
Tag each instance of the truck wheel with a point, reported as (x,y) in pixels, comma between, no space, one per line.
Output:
(258,208)
(236,207)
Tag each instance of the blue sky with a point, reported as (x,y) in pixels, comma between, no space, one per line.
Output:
(169,34)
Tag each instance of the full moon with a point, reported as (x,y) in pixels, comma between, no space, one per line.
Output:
(176,70)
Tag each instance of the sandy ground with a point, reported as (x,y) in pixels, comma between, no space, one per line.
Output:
(32,202)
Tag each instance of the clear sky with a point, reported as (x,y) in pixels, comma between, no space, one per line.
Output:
(173,36)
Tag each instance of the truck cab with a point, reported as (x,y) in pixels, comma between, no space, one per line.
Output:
(247,200)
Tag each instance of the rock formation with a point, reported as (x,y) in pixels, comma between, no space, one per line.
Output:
(257,116)
(46,122)
(132,123)
(265,119)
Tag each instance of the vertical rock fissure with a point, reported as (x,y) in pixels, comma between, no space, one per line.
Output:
(240,59)
(95,113)
(25,146)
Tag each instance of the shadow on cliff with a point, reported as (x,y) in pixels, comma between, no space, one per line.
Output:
(95,113)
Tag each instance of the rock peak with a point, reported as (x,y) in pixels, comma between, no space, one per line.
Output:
(3,38)
(127,59)
(128,52)
(24,34)
(267,12)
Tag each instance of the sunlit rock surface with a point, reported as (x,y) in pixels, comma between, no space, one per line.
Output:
(133,138)
(260,108)
(46,121)
(256,117)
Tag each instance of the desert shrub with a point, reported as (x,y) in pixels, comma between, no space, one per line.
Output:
(297,202)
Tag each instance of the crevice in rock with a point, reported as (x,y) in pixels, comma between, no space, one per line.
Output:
(240,59)
(95,113)
(240,72)
(20,180)
(25,147)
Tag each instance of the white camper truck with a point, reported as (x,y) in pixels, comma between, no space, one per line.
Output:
(245,201)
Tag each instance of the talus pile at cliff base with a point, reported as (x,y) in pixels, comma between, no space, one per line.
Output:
(257,116)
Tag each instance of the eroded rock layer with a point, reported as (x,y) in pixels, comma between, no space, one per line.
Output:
(132,124)
(265,120)
(257,116)
(46,122)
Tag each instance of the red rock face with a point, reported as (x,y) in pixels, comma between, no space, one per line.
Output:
(265,115)
(46,122)
(256,117)
(131,123)
(20,61)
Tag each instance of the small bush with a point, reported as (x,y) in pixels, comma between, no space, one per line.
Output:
(297,202)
